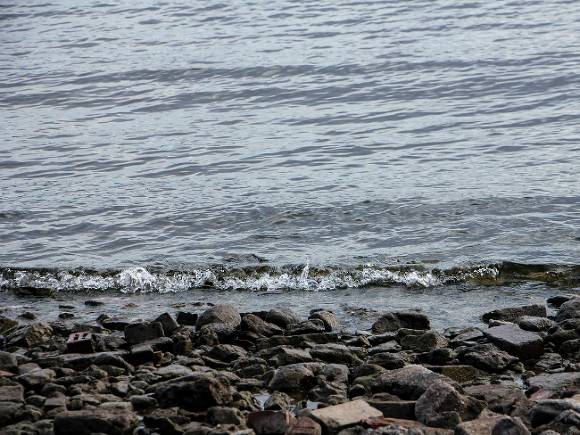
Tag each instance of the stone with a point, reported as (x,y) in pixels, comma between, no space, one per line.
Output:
(304,426)
(187,318)
(516,341)
(389,346)
(503,399)
(11,393)
(173,371)
(409,382)
(404,409)
(544,411)
(36,378)
(140,354)
(535,324)
(425,342)
(514,313)
(286,356)
(11,412)
(555,381)
(86,422)
(31,336)
(293,378)
(566,423)
(196,392)
(217,415)
(328,318)
(308,327)
(80,342)
(570,347)
(113,323)
(392,321)
(461,374)
(270,422)
(283,317)
(492,423)
(468,337)
(7,325)
(167,322)
(253,323)
(227,352)
(510,426)
(337,417)
(443,406)
(142,402)
(486,357)
(143,331)
(278,401)
(390,361)
(8,361)
(335,353)
(569,310)
(222,317)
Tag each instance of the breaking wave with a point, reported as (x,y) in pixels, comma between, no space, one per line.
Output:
(269,278)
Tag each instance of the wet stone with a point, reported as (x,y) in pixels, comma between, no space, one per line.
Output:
(516,341)
(390,322)
(514,313)
(425,342)
(270,422)
(328,318)
(486,357)
(143,331)
(335,418)
(187,318)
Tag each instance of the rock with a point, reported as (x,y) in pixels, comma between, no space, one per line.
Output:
(187,318)
(37,378)
(335,353)
(94,303)
(459,373)
(227,352)
(270,422)
(8,361)
(389,346)
(425,342)
(393,321)
(555,381)
(334,418)
(86,422)
(328,318)
(11,393)
(516,341)
(80,342)
(278,401)
(143,331)
(221,319)
(308,327)
(253,323)
(293,377)
(468,337)
(167,322)
(113,323)
(217,415)
(196,392)
(514,313)
(304,426)
(286,356)
(11,412)
(566,423)
(443,406)
(491,423)
(31,336)
(544,411)
(143,402)
(7,325)
(569,310)
(486,357)
(503,399)
(510,426)
(409,382)
(173,371)
(390,361)
(283,317)
(570,347)
(535,324)
(404,409)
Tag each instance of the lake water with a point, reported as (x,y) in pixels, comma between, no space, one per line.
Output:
(275,145)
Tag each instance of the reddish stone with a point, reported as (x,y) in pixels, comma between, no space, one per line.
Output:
(304,426)
(270,422)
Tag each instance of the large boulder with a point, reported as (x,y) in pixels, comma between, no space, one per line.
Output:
(425,342)
(393,321)
(516,341)
(441,405)
(486,357)
(328,318)
(143,331)
(283,317)
(514,313)
(569,310)
(86,422)
(409,382)
(223,319)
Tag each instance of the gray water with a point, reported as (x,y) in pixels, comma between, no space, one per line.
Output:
(275,145)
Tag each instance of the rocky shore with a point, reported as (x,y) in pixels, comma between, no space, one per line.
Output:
(218,371)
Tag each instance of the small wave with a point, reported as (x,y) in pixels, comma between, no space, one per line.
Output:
(269,278)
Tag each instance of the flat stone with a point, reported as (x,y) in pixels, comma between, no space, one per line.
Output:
(143,331)
(11,393)
(460,373)
(396,320)
(486,357)
(569,310)
(555,381)
(404,409)
(337,417)
(535,324)
(283,317)
(86,422)
(516,341)
(304,426)
(80,342)
(514,313)
(545,411)
(503,399)
(270,422)
(37,378)
(425,342)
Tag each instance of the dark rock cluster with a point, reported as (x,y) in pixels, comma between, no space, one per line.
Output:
(271,372)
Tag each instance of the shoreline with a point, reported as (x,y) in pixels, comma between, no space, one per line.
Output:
(273,372)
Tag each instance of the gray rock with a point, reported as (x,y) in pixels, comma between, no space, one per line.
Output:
(187,318)
(395,320)
(514,313)
(570,347)
(503,399)
(167,322)
(555,381)
(225,415)
(328,318)
(278,401)
(11,393)
(283,317)
(569,310)
(443,406)
(36,378)
(8,361)
(308,327)
(196,392)
(143,331)
(566,423)
(287,356)
(535,324)
(86,422)
(516,341)
(270,422)
(253,323)
(545,411)
(510,426)
(409,382)
(486,357)
(335,353)
(335,418)
(468,337)
(11,412)
(222,319)
(227,352)
(142,402)
(390,361)
(31,336)
(425,342)
(294,377)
